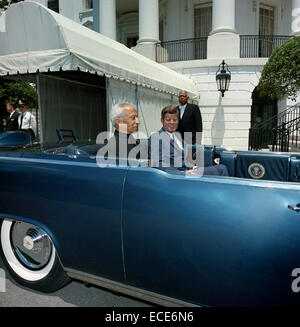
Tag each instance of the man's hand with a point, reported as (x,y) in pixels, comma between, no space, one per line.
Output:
(193,171)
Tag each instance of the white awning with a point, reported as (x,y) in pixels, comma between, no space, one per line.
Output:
(34,38)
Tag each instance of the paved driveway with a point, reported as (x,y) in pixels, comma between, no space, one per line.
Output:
(74,294)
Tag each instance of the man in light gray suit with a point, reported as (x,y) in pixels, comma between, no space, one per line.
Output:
(166,148)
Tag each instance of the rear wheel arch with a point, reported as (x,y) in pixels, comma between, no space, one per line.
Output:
(30,256)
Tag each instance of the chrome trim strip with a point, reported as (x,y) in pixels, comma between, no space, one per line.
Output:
(65,162)
(128,290)
(55,162)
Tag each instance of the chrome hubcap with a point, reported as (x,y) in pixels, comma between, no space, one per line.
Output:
(31,244)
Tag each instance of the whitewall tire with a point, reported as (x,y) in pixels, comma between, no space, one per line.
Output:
(30,257)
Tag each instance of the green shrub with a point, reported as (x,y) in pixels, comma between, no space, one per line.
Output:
(281,74)
(12,91)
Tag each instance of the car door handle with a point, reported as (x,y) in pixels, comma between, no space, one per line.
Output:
(294,208)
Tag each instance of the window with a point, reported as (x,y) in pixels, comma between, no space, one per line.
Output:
(203,20)
(202,28)
(266,20)
(266,30)
(88,4)
(53,5)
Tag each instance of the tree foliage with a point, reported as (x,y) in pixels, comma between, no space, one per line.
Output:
(6,3)
(13,91)
(281,74)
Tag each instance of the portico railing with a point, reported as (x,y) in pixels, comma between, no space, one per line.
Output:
(279,133)
(251,46)
(260,46)
(180,50)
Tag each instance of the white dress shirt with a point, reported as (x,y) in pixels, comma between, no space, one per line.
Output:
(28,121)
(177,139)
(182,108)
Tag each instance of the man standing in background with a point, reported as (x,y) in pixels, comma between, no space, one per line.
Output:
(12,119)
(26,120)
(190,119)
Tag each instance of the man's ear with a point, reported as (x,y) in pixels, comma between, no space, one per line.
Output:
(117,121)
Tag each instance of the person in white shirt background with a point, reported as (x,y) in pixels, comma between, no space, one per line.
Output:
(26,119)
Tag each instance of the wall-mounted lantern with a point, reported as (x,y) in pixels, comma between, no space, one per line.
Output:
(223,77)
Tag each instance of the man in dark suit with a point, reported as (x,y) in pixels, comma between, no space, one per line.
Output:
(125,119)
(122,145)
(12,119)
(190,121)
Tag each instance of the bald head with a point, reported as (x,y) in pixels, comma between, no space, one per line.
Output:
(183,97)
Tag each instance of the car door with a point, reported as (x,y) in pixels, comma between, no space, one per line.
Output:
(74,200)
(211,240)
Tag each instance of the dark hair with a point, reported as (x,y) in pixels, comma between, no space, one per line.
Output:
(13,104)
(169,110)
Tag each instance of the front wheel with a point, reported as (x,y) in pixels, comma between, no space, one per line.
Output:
(30,257)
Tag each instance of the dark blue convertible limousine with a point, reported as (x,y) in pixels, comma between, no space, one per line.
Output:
(172,239)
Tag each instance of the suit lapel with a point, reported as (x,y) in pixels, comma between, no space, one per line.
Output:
(11,117)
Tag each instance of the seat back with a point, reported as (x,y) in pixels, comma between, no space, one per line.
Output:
(295,169)
(208,157)
(228,159)
(267,166)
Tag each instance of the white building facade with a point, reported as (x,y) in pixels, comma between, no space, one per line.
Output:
(193,37)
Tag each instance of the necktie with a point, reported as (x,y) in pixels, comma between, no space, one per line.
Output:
(172,151)
(21,121)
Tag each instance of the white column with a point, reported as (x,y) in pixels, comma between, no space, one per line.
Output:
(295,26)
(148,21)
(107,18)
(70,9)
(223,42)
(148,28)
(223,19)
